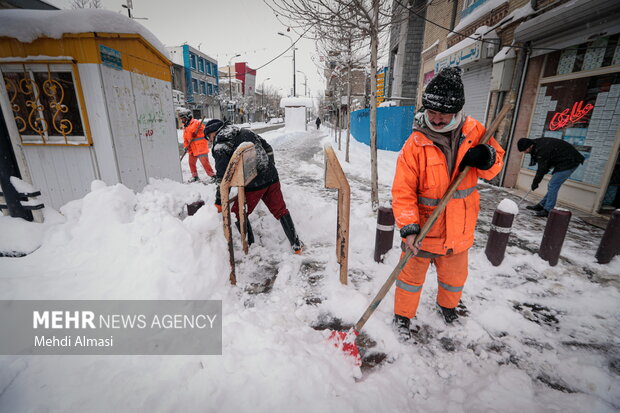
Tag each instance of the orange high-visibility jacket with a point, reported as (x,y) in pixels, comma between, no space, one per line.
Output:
(198,145)
(421,180)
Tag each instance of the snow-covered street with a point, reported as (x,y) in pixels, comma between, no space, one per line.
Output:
(536,338)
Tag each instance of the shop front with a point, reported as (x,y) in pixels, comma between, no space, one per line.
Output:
(577,100)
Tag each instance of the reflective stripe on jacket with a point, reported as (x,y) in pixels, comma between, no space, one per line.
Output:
(198,145)
(421,179)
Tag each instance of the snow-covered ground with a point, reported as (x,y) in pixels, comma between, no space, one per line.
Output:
(537,338)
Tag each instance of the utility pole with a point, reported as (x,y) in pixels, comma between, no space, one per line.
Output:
(305,83)
(262,98)
(293,47)
(232,118)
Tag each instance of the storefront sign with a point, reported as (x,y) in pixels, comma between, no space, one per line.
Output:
(468,54)
(569,117)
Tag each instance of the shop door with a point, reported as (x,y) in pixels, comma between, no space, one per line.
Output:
(476,82)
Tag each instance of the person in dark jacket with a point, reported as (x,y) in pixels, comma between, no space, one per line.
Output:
(265,186)
(318,123)
(550,153)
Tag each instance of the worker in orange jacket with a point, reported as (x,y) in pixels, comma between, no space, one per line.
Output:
(442,143)
(196,143)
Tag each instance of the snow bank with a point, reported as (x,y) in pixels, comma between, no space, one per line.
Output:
(28,25)
(19,236)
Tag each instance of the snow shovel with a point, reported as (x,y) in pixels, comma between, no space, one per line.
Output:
(346,340)
(523,199)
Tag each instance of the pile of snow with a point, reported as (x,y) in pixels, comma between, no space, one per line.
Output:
(29,25)
(273,121)
(509,206)
(387,104)
(505,356)
(19,237)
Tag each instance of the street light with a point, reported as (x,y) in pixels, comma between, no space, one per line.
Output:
(230,86)
(305,83)
(262,98)
(292,44)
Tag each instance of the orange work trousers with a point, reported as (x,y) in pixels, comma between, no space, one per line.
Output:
(451,275)
(204,160)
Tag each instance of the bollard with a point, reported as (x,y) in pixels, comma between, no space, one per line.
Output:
(610,243)
(498,236)
(553,238)
(194,206)
(385,232)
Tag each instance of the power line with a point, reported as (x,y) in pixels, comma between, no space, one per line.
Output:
(410,8)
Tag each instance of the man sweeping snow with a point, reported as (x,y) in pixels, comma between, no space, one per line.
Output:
(443,141)
(266,185)
(195,142)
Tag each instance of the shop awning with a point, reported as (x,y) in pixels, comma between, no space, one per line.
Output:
(570,24)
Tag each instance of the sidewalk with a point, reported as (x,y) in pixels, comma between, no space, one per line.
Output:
(582,238)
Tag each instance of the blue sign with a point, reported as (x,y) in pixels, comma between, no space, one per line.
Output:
(110,57)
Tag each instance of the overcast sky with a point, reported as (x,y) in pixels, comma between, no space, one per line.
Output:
(225,28)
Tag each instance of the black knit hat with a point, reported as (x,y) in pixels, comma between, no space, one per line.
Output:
(213,126)
(524,143)
(444,93)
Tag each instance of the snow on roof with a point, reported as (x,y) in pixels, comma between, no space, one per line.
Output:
(504,54)
(307,102)
(29,25)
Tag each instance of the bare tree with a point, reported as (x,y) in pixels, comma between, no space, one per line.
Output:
(82,4)
(79,4)
(370,17)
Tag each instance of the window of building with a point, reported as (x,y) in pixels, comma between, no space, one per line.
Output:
(192,61)
(209,89)
(596,54)
(470,5)
(201,65)
(209,68)
(194,86)
(203,88)
(47,103)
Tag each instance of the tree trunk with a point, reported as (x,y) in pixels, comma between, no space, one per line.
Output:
(348,104)
(374,42)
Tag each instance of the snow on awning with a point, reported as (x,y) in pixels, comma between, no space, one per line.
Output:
(469,50)
(29,25)
(586,19)
(296,102)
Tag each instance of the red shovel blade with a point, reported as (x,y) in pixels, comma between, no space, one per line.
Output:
(346,342)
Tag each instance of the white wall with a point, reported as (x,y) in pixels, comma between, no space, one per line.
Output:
(295,119)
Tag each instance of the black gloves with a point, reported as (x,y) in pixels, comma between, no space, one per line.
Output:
(480,156)
(410,229)
(534,186)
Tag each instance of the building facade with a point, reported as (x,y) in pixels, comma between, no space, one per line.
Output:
(200,80)
(558,61)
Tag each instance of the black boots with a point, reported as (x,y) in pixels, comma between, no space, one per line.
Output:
(248,231)
(449,314)
(402,327)
(536,207)
(289,230)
